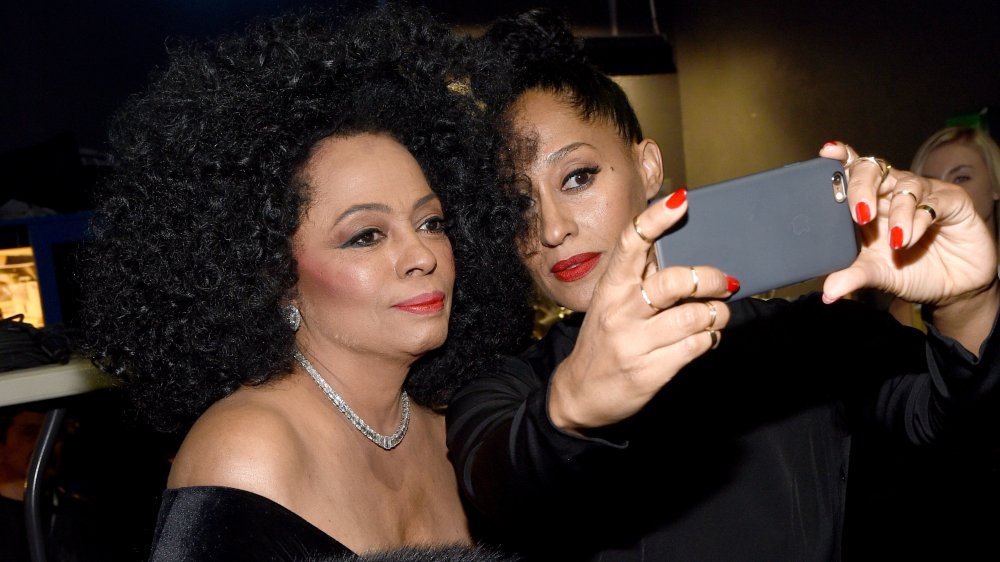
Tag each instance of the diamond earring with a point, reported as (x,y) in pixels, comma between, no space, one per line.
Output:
(292,316)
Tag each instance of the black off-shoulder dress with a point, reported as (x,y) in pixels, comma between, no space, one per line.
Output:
(205,523)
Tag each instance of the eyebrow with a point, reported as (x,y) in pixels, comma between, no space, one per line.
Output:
(562,152)
(380,207)
(954,169)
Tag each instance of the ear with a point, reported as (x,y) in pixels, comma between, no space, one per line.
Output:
(651,166)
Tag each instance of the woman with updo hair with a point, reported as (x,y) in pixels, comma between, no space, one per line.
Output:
(668,418)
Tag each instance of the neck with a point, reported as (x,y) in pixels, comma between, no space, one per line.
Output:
(371,387)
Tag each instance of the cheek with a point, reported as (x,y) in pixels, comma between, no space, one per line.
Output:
(982,196)
(446,263)
(325,285)
(536,266)
(609,216)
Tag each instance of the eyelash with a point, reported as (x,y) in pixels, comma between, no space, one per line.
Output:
(590,171)
(363,239)
(371,236)
(439,221)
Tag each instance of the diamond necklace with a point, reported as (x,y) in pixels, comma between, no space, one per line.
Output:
(385,441)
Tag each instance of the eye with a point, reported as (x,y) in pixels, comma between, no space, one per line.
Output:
(434,225)
(961,179)
(580,178)
(364,239)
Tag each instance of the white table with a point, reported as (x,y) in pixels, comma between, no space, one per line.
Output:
(21,386)
(51,381)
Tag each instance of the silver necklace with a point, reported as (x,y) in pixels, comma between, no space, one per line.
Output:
(385,441)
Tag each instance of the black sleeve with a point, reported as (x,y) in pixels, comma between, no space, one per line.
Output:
(777,358)
(507,453)
(895,379)
(963,386)
(214,523)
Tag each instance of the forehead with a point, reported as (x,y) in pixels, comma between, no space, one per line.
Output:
(550,122)
(362,168)
(953,154)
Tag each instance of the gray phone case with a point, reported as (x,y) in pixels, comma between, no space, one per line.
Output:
(770,229)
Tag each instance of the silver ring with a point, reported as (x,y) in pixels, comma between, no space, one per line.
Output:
(930,210)
(694,280)
(714,334)
(712,314)
(883,166)
(904,192)
(638,230)
(645,297)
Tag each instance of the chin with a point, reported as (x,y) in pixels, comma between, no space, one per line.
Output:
(427,342)
(576,300)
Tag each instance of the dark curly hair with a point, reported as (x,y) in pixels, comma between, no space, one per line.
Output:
(537,50)
(190,256)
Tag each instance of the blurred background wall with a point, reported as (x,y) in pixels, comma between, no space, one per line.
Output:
(758,83)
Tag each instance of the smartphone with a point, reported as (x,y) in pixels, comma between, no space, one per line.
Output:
(770,229)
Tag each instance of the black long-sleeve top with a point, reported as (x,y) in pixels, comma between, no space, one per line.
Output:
(742,456)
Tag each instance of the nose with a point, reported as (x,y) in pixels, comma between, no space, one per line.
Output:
(416,257)
(555,223)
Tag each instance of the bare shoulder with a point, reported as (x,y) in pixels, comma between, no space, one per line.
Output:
(242,441)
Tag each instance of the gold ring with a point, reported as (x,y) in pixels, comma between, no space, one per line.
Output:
(712,314)
(883,166)
(930,210)
(638,230)
(904,192)
(714,334)
(645,297)
(694,279)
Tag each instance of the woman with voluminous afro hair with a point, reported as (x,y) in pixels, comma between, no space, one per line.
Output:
(191,259)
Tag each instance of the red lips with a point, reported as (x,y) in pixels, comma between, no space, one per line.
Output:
(575,267)
(427,303)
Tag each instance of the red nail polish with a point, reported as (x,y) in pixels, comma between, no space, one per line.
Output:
(896,238)
(830,143)
(732,284)
(677,198)
(863,212)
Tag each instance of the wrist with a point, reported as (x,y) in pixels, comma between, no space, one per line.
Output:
(560,402)
(969,320)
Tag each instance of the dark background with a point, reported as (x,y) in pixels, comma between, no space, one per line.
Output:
(66,66)
(761,82)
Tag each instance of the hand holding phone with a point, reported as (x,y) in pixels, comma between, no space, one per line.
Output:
(770,229)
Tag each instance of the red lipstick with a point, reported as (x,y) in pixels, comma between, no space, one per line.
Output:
(427,303)
(575,267)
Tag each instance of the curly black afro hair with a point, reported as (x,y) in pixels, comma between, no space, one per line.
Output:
(191,259)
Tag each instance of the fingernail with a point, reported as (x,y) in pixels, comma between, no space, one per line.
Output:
(732,284)
(863,212)
(677,198)
(896,238)
(829,143)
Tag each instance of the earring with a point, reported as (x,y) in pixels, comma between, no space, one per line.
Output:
(292,316)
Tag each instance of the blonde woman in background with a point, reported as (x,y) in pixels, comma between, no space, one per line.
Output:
(967,157)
